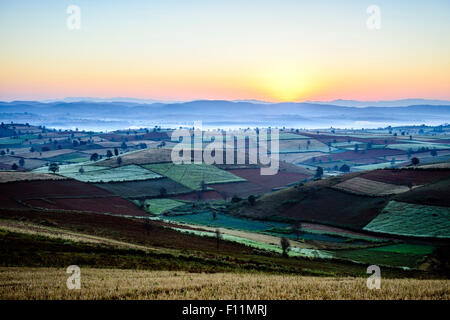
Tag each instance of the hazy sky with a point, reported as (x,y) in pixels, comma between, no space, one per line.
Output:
(183,50)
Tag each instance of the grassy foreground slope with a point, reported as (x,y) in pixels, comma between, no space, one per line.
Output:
(34,283)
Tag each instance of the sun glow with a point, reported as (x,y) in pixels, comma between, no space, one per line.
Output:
(287,86)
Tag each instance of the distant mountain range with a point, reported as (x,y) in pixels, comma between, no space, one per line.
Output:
(90,114)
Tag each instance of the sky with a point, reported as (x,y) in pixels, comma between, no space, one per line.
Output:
(178,50)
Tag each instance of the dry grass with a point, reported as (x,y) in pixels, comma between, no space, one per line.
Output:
(50,283)
(12,176)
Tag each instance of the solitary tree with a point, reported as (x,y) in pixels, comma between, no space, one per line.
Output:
(109,154)
(123,145)
(251,199)
(21,162)
(415,161)
(344,168)
(147,226)
(94,156)
(53,167)
(297,229)
(319,172)
(14,166)
(203,185)
(433,153)
(119,161)
(285,246)
(81,170)
(116,151)
(218,237)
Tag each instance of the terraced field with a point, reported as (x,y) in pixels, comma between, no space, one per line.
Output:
(412,220)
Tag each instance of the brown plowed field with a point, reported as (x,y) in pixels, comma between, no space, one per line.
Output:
(404,177)
(281,179)
(337,208)
(125,229)
(114,205)
(50,189)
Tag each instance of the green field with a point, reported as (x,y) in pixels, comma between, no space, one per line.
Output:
(416,146)
(226,221)
(17,140)
(412,220)
(380,257)
(191,175)
(159,206)
(73,157)
(104,174)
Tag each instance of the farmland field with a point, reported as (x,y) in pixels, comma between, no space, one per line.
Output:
(418,146)
(225,221)
(412,220)
(159,206)
(113,205)
(32,283)
(13,176)
(145,156)
(145,188)
(191,175)
(50,189)
(105,174)
(370,187)
(405,176)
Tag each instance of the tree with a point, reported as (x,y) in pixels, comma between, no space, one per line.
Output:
(123,146)
(251,199)
(297,229)
(433,153)
(14,166)
(81,170)
(109,154)
(319,173)
(218,237)
(285,246)
(53,167)
(147,226)
(94,156)
(32,149)
(344,168)
(116,152)
(203,185)
(2,152)
(356,148)
(21,162)
(235,199)
(119,161)
(214,214)
(415,161)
